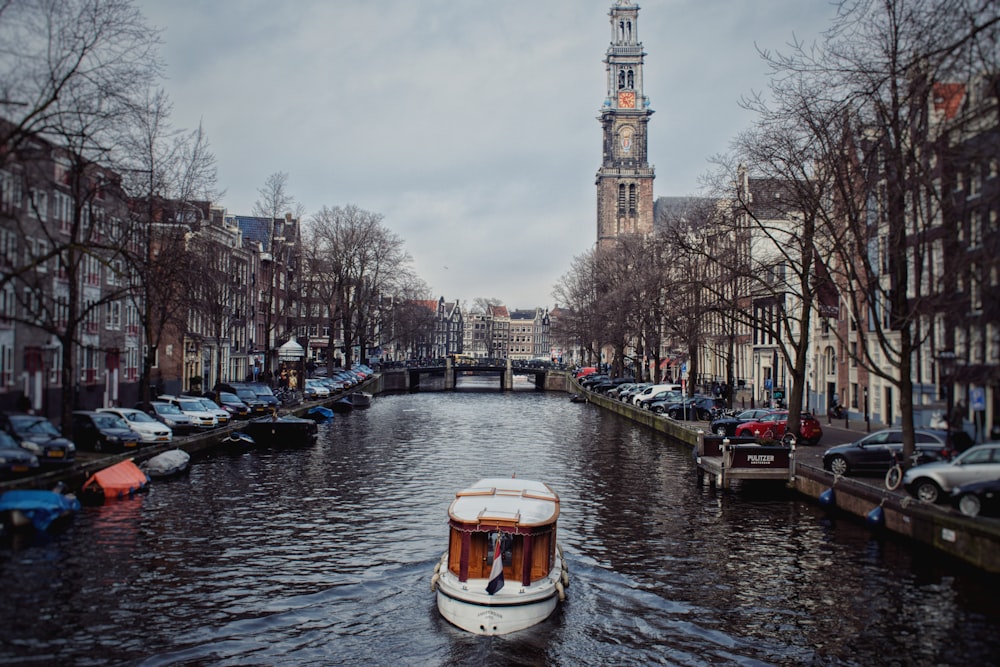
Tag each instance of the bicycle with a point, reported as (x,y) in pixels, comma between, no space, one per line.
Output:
(894,476)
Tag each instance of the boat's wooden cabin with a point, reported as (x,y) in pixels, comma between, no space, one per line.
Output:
(521,513)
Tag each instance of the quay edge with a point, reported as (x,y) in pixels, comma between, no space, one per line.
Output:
(976,542)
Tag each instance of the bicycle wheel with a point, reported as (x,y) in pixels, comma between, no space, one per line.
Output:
(894,477)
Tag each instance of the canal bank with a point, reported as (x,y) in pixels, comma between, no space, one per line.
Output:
(975,541)
(87,463)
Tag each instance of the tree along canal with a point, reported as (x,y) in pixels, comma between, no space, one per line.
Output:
(322,555)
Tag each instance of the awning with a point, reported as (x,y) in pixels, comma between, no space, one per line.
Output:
(291,351)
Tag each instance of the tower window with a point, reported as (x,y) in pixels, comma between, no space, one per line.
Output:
(631,198)
(621,199)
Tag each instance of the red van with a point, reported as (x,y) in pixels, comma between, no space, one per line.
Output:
(584,372)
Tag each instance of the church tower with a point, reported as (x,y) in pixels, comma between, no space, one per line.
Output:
(625,179)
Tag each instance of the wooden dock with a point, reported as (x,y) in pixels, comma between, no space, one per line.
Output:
(723,459)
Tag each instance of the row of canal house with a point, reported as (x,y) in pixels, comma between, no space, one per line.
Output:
(953,262)
(94,283)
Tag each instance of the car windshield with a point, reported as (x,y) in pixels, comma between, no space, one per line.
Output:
(7,442)
(28,424)
(246,393)
(167,409)
(191,406)
(263,390)
(137,416)
(208,404)
(104,420)
(226,397)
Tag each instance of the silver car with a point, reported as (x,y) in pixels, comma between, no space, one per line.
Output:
(932,482)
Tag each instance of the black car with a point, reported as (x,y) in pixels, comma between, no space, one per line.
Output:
(727,425)
(660,400)
(38,435)
(14,460)
(977,498)
(233,404)
(103,432)
(696,408)
(873,453)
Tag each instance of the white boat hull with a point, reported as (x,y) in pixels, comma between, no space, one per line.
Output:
(514,607)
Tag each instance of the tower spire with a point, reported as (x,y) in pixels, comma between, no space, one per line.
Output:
(625,179)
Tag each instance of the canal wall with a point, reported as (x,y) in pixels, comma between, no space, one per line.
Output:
(975,541)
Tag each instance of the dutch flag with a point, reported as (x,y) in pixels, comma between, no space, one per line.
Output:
(496,574)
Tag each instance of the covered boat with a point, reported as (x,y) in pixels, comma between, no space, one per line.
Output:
(503,570)
(360,399)
(121,480)
(318,413)
(281,431)
(167,464)
(40,509)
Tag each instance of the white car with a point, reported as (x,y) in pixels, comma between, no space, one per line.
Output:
(201,417)
(149,429)
(221,415)
(317,389)
(932,482)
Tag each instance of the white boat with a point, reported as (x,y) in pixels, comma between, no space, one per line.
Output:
(515,519)
(167,464)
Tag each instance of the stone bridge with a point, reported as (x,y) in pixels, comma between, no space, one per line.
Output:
(408,378)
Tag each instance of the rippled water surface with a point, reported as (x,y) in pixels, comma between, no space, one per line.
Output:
(322,555)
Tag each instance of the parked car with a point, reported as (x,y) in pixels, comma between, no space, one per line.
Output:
(874,452)
(627,396)
(695,408)
(14,460)
(221,415)
(314,389)
(257,406)
(40,437)
(169,414)
(727,425)
(658,401)
(149,429)
(931,482)
(653,389)
(233,404)
(103,432)
(977,498)
(594,378)
(772,427)
(200,417)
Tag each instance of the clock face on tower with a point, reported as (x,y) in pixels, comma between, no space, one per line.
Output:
(626,100)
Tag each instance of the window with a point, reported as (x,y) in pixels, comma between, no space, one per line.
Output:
(39,204)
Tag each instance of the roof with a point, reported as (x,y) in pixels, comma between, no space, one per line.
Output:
(519,501)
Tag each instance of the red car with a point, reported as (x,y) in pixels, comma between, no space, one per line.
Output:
(772,427)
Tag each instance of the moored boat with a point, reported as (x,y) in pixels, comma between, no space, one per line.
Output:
(167,464)
(122,480)
(360,399)
(503,570)
(35,508)
(280,431)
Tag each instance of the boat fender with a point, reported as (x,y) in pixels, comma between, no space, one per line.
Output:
(434,581)
(562,591)
(565,577)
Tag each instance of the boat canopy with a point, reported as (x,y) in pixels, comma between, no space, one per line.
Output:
(510,501)
(121,479)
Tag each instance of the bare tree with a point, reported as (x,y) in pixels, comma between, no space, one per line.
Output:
(877,98)
(170,177)
(354,262)
(274,204)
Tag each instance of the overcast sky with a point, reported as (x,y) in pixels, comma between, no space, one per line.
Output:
(470,125)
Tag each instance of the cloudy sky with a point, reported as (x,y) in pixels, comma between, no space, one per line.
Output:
(469,125)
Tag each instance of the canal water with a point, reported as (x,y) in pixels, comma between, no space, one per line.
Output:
(322,555)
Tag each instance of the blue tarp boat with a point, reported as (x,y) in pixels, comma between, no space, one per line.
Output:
(319,413)
(22,507)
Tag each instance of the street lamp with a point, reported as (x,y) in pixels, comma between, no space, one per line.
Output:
(946,366)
